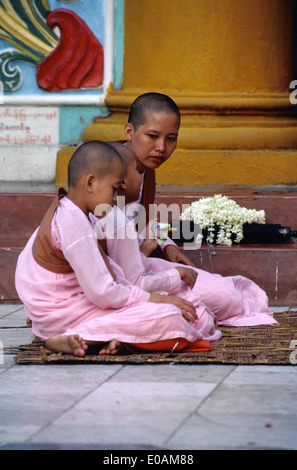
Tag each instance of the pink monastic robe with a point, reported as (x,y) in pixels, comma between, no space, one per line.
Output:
(88,301)
(232,300)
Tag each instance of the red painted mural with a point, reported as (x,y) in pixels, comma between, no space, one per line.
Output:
(64,49)
(78,59)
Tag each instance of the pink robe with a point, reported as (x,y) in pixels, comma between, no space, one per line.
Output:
(89,302)
(233,300)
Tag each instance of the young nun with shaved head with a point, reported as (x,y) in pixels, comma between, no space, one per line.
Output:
(75,295)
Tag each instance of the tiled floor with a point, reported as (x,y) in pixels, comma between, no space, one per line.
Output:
(141,406)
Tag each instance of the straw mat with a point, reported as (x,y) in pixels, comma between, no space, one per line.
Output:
(238,345)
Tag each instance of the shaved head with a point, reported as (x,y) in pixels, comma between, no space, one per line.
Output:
(94,156)
(155,102)
(126,153)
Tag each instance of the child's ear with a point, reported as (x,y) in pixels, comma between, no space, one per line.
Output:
(129,130)
(90,182)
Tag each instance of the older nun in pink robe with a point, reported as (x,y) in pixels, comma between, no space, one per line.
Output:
(231,300)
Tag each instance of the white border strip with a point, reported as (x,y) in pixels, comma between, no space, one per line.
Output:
(73,99)
(109,7)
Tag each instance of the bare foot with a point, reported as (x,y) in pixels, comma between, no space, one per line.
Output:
(113,347)
(28,322)
(72,344)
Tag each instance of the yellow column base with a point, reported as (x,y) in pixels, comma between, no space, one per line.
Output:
(63,157)
(229,167)
(216,148)
(223,140)
(214,167)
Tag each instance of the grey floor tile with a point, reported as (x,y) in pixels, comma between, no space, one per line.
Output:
(213,373)
(52,380)
(6,309)
(256,399)
(131,412)
(280,309)
(235,431)
(6,361)
(15,319)
(270,375)
(253,407)
(32,397)
(169,406)
(19,410)
(16,434)
(12,337)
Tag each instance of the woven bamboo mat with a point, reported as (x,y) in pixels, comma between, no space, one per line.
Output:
(238,345)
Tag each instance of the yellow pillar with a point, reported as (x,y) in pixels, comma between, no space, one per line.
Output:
(228,65)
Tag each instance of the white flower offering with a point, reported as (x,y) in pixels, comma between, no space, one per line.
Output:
(222,218)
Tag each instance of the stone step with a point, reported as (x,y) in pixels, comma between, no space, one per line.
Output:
(273,267)
(21,212)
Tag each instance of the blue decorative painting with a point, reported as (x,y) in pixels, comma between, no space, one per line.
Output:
(50,47)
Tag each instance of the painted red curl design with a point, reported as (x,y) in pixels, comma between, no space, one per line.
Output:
(77,61)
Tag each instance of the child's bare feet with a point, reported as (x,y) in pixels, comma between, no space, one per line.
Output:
(113,347)
(72,344)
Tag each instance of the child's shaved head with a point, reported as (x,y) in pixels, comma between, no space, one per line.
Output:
(133,177)
(155,102)
(127,154)
(91,156)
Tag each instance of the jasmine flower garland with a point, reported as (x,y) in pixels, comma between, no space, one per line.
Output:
(222,218)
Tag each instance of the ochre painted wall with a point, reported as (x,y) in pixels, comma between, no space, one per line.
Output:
(208,46)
